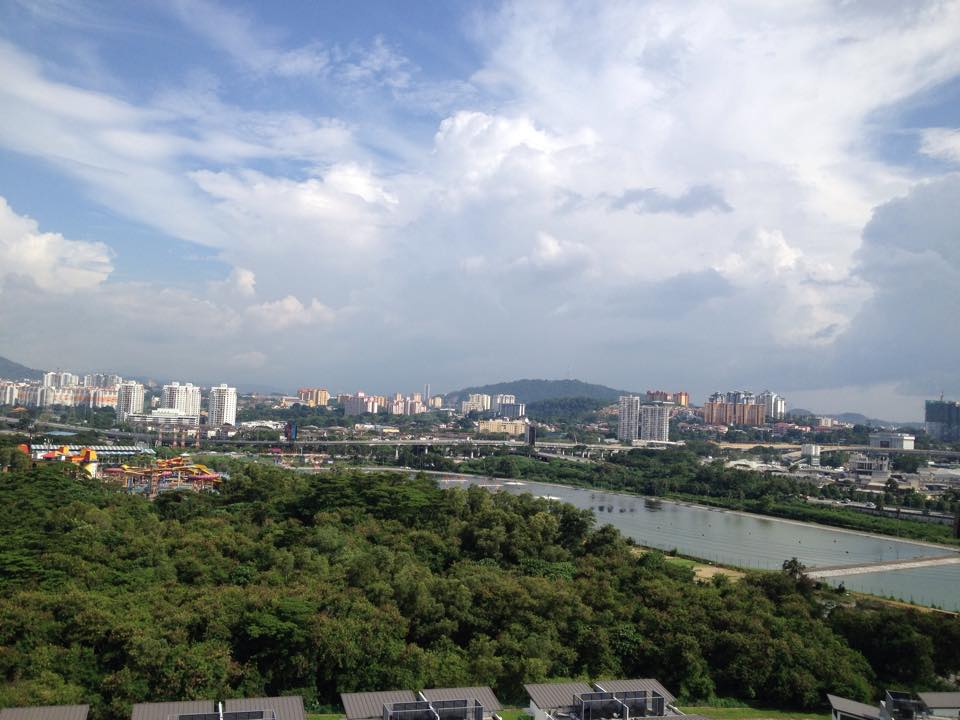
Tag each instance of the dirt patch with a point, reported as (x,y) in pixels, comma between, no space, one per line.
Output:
(705,572)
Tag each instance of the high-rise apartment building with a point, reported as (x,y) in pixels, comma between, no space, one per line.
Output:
(655,421)
(942,419)
(222,406)
(59,379)
(184,398)
(629,416)
(362,403)
(775,405)
(9,392)
(723,413)
(476,402)
(129,399)
(313,397)
(681,398)
(512,410)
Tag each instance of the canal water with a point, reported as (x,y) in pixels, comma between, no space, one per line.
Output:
(753,541)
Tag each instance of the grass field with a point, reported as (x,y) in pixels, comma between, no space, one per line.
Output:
(746,713)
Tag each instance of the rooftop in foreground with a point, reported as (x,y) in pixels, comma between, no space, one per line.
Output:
(458,703)
(46,712)
(265,708)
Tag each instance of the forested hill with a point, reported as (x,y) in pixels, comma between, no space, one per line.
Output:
(338,582)
(15,371)
(528,391)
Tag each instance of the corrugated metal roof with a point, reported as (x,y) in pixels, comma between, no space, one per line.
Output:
(365,705)
(940,699)
(164,710)
(647,684)
(484,695)
(46,712)
(852,707)
(288,707)
(550,696)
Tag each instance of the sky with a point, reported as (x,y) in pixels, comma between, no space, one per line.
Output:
(377,195)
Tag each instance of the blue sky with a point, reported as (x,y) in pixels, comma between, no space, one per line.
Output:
(691,195)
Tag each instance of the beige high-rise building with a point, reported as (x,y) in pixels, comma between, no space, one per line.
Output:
(222,406)
(314,397)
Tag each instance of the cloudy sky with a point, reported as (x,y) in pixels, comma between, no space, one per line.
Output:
(694,195)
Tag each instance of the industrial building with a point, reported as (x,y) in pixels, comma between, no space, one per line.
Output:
(459,703)
(892,440)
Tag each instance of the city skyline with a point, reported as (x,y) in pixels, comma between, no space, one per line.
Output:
(504,190)
(775,402)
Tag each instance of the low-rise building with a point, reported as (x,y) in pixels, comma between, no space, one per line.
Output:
(892,440)
(46,712)
(265,708)
(602,700)
(509,427)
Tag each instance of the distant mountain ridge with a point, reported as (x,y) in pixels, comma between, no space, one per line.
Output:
(854,418)
(15,371)
(530,390)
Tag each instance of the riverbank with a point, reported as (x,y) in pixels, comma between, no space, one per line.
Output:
(701,502)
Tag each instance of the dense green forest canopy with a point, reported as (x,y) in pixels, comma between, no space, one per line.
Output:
(321,584)
(573,410)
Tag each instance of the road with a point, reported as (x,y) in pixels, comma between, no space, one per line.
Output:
(461,441)
(843,570)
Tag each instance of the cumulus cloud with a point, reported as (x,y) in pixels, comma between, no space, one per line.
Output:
(910,257)
(698,172)
(289,312)
(51,261)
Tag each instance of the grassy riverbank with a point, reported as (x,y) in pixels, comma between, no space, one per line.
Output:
(833,516)
(680,474)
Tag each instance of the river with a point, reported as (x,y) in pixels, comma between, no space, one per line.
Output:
(753,541)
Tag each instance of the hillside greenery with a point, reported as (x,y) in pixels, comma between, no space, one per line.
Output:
(321,584)
(531,391)
(11,370)
(571,410)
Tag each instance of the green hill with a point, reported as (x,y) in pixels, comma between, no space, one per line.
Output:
(11,370)
(529,391)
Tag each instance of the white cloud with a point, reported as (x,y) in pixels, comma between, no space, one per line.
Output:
(943,143)
(289,312)
(704,167)
(243,281)
(51,261)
